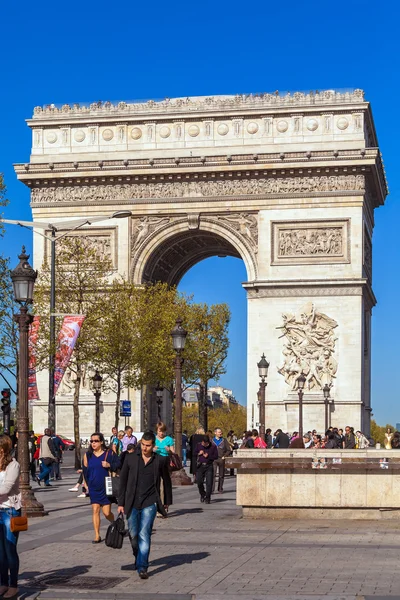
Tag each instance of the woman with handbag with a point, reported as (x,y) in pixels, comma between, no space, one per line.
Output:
(97,463)
(165,446)
(10,507)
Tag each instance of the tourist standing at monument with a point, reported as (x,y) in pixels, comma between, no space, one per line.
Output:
(10,506)
(362,441)
(139,497)
(185,440)
(97,463)
(114,436)
(349,439)
(224,450)
(281,439)
(205,454)
(128,438)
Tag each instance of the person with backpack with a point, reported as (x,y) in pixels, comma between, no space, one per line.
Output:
(47,456)
(97,463)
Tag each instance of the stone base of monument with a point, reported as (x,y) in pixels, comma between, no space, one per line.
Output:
(318,484)
(180,478)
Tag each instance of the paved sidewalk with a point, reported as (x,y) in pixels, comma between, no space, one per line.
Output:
(207,551)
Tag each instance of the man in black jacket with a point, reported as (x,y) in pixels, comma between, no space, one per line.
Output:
(139,497)
(281,439)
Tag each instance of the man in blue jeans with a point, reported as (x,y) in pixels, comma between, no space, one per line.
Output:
(139,497)
(47,456)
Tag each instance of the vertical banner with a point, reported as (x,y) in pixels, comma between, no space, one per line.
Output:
(33,393)
(65,345)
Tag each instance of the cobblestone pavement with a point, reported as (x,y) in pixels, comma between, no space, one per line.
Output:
(207,551)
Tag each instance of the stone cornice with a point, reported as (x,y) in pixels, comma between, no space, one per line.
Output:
(310,288)
(200,104)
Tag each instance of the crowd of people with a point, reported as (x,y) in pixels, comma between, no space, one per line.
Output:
(141,472)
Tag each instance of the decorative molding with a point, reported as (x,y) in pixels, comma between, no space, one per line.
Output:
(310,242)
(197,188)
(305,291)
(201,104)
(310,345)
(246,224)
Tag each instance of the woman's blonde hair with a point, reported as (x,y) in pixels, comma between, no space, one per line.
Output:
(200,431)
(121,432)
(5,452)
(161,426)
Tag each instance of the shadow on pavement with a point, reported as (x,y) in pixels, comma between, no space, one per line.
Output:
(176,560)
(185,511)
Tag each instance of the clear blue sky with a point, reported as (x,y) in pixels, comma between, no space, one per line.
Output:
(59,53)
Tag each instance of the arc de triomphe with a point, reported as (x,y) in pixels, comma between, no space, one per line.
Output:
(288,183)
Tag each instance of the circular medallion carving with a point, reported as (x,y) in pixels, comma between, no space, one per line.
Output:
(108,135)
(282,126)
(136,133)
(312,124)
(193,130)
(252,128)
(79,135)
(223,129)
(51,137)
(165,132)
(342,123)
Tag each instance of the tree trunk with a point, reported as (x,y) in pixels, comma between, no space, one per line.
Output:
(117,402)
(203,416)
(77,437)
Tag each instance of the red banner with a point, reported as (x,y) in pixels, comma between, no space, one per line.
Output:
(33,393)
(65,346)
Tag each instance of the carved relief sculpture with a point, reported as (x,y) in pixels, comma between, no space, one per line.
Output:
(246,224)
(181,189)
(143,227)
(309,348)
(318,242)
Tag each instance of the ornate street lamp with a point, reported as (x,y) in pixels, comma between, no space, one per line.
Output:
(301,380)
(23,279)
(263,366)
(159,395)
(97,381)
(327,394)
(178,341)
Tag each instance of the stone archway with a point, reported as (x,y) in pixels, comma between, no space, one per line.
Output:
(164,249)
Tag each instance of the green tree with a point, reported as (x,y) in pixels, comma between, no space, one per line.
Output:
(82,276)
(8,329)
(207,348)
(234,418)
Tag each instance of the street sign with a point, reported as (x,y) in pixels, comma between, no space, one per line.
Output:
(125,408)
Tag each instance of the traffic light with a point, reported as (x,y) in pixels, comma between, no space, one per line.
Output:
(6,401)
(6,408)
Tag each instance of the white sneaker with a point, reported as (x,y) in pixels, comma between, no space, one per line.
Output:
(74,489)
(83,495)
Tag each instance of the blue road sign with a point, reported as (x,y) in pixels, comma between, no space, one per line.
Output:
(125,408)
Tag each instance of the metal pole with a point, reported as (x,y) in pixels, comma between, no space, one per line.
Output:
(30,506)
(300,414)
(326,414)
(263,385)
(52,399)
(178,404)
(97,395)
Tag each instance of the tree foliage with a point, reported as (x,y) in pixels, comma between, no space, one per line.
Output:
(8,329)
(234,418)
(81,278)
(378,431)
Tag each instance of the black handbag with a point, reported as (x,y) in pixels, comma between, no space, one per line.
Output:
(116,533)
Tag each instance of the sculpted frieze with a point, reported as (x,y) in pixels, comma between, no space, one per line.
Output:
(310,242)
(193,189)
(246,224)
(310,345)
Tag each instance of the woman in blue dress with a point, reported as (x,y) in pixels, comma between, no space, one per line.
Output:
(97,463)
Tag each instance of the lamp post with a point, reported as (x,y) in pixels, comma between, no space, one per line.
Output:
(327,395)
(23,278)
(97,381)
(300,387)
(159,395)
(54,227)
(263,366)
(178,340)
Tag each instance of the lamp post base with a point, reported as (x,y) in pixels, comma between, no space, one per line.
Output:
(180,478)
(30,506)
